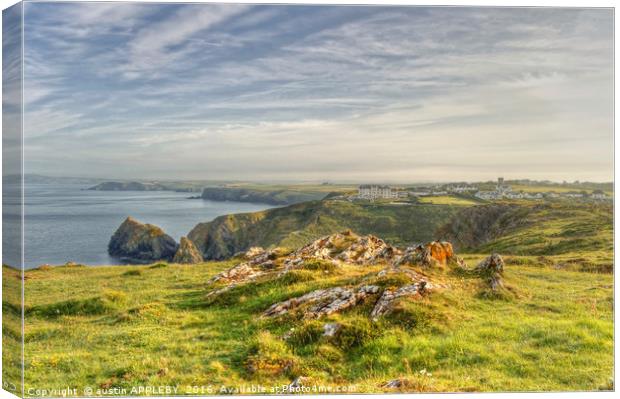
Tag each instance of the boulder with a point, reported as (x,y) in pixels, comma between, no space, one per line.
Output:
(491,270)
(324,302)
(331,329)
(426,255)
(187,253)
(141,243)
(253,252)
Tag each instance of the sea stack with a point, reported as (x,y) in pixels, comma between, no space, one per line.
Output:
(141,243)
(187,253)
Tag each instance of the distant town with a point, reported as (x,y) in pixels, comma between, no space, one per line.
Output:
(373,192)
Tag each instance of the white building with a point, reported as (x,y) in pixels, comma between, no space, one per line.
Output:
(375,191)
(488,195)
(598,195)
(461,189)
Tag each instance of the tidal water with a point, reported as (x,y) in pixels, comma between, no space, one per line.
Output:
(66,223)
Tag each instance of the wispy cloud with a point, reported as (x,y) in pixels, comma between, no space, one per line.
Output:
(291,91)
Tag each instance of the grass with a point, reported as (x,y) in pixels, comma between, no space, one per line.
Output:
(98,327)
(446,200)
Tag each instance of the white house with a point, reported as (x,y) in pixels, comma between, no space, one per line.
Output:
(375,191)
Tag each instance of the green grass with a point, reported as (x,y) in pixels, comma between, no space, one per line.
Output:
(100,327)
(446,200)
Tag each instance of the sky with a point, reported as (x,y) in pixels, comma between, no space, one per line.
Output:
(314,93)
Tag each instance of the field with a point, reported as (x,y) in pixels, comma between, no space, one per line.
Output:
(151,325)
(446,200)
(114,328)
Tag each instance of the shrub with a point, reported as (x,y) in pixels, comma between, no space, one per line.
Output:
(320,264)
(355,332)
(73,264)
(410,315)
(115,296)
(329,353)
(133,272)
(309,332)
(74,307)
(392,280)
(269,356)
(296,276)
(149,311)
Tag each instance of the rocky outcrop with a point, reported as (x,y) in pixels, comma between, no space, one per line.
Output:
(141,243)
(385,303)
(187,253)
(491,270)
(345,249)
(325,302)
(128,186)
(426,255)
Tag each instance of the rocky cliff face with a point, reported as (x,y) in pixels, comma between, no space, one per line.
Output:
(187,253)
(141,243)
(297,225)
(271,197)
(128,186)
(479,225)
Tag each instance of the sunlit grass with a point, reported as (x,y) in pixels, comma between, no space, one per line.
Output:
(104,327)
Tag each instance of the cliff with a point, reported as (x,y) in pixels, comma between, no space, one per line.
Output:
(296,225)
(179,186)
(531,229)
(271,197)
(187,253)
(128,186)
(137,242)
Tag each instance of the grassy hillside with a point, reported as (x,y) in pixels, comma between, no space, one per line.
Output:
(125,326)
(523,228)
(275,197)
(509,227)
(11,330)
(296,225)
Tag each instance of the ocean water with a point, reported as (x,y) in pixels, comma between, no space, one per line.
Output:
(68,223)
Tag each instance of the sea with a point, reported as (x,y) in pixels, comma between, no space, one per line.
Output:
(68,223)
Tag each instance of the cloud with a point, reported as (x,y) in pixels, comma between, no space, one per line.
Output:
(254,92)
(151,47)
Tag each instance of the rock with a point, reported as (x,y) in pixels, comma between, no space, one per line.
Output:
(325,301)
(298,382)
(242,272)
(341,248)
(397,383)
(427,255)
(442,251)
(346,247)
(493,263)
(491,269)
(386,303)
(331,329)
(253,252)
(142,243)
(187,253)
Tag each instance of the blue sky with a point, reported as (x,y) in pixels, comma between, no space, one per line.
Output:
(318,93)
